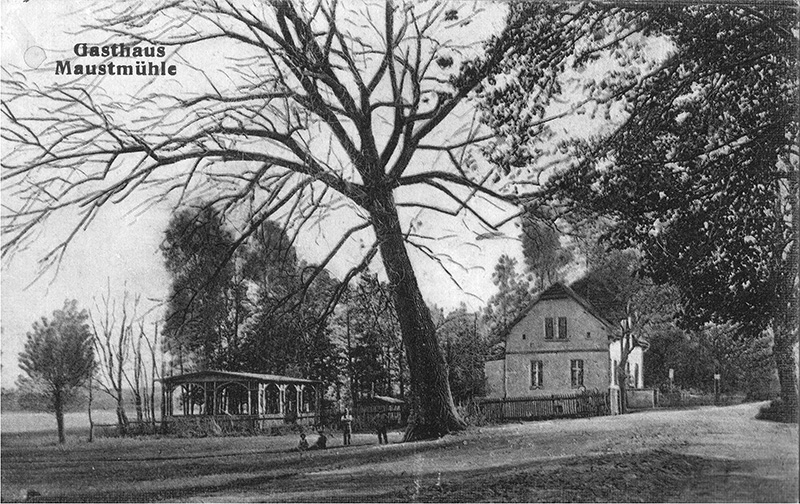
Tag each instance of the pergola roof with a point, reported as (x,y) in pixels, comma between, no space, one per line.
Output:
(211,375)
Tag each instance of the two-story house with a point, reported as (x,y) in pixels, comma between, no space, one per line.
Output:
(561,344)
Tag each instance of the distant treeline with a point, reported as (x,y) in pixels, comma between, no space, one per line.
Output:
(14,400)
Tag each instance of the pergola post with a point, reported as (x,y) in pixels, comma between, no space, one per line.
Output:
(281,394)
(163,401)
(300,389)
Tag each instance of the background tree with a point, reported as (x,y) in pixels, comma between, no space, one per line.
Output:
(512,297)
(145,372)
(58,357)
(611,284)
(370,333)
(545,257)
(207,301)
(113,328)
(744,362)
(703,174)
(288,333)
(465,349)
(251,311)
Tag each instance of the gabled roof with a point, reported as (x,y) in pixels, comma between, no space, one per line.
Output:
(231,375)
(556,291)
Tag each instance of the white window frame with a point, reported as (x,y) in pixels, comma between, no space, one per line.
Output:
(576,372)
(537,374)
(566,329)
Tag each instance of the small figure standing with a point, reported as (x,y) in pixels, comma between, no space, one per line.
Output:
(382,425)
(347,427)
(303,444)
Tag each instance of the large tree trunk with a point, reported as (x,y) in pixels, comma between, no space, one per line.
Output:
(783,351)
(433,413)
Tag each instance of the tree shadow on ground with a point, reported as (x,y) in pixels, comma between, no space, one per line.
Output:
(651,476)
(244,470)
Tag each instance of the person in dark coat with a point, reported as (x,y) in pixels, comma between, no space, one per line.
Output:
(303,444)
(347,427)
(381,426)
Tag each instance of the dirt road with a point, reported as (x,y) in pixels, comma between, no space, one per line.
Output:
(705,454)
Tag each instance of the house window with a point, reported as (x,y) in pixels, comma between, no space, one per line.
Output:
(562,327)
(524,335)
(536,374)
(588,334)
(548,328)
(576,372)
(636,376)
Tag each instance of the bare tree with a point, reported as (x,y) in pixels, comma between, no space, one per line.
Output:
(112,339)
(90,400)
(138,370)
(155,374)
(144,370)
(321,109)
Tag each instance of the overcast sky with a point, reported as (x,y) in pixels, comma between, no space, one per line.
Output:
(121,247)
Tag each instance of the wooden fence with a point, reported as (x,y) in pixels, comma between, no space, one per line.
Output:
(683,399)
(212,425)
(365,418)
(542,408)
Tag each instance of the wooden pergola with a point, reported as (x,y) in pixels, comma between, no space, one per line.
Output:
(247,395)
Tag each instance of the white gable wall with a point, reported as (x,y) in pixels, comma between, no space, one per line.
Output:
(587,340)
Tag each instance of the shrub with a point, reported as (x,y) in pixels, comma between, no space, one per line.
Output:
(473,415)
(776,411)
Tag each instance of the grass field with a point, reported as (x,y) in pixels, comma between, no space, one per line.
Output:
(704,454)
(76,422)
